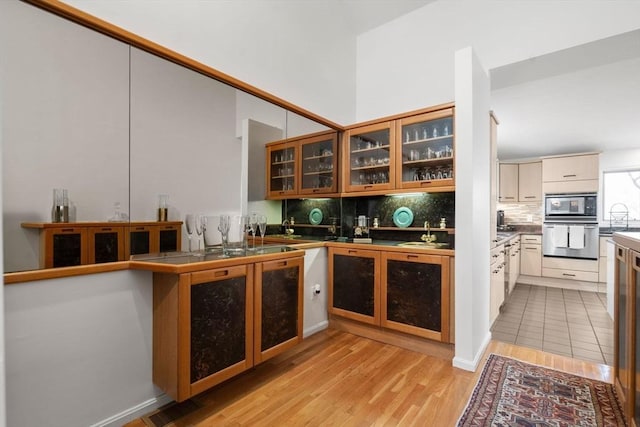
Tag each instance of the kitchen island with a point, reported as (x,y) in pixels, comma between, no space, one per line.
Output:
(216,316)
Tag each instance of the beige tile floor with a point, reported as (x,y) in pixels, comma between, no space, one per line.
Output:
(560,321)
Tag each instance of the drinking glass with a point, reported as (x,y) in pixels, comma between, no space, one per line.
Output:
(199,224)
(253,226)
(223,228)
(262,224)
(190,224)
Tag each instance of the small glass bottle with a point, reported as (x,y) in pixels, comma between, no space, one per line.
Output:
(443,223)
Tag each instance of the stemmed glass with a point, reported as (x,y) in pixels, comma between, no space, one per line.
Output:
(223,228)
(199,227)
(190,224)
(253,226)
(262,224)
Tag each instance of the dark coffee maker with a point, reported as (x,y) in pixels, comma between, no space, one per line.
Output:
(500,218)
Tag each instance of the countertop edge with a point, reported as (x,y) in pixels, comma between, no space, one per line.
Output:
(629,240)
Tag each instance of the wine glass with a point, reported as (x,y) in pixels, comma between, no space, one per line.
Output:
(262,224)
(223,228)
(253,226)
(199,227)
(190,224)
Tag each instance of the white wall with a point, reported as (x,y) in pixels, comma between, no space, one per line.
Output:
(408,63)
(3,406)
(79,349)
(67,126)
(316,317)
(473,209)
(297,51)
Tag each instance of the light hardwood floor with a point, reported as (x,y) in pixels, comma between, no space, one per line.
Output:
(337,379)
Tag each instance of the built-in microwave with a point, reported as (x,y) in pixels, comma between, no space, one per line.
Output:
(570,207)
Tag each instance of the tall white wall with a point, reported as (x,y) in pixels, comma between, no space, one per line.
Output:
(79,349)
(408,63)
(473,209)
(297,51)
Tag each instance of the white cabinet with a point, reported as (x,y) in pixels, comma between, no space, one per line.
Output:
(571,269)
(570,174)
(530,182)
(531,255)
(602,260)
(497,282)
(520,182)
(493,126)
(514,262)
(508,188)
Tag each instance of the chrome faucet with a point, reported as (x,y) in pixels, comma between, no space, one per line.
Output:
(428,237)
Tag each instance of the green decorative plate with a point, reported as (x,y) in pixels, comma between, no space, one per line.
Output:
(315,216)
(403,217)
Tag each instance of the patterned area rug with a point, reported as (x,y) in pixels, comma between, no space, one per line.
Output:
(514,393)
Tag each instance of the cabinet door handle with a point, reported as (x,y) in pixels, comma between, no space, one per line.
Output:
(366,187)
(221,273)
(569,176)
(67,230)
(567,274)
(425,182)
(529,197)
(352,251)
(106,229)
(411,256)
(315,190)
(282,263)
(494,256)
(508,198)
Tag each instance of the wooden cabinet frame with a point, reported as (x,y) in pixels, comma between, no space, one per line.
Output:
(427,183)
(443,261)
(348,154)
(47,237)
(361,253)
(260,355)
(91,237)
(333,137)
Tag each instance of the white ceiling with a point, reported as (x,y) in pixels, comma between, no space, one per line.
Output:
(582,99)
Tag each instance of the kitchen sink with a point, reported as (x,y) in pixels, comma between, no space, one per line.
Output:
(424,245)
(283,236)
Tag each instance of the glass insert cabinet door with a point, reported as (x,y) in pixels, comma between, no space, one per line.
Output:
(319,164)
(369,154)
(282,170)
(427,147)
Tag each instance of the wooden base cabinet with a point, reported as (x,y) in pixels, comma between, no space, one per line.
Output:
(627,331)
(415,291)
(354,290)
(397,291)
(211,325)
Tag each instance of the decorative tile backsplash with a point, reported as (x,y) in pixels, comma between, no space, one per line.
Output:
(518,213)
(431,207)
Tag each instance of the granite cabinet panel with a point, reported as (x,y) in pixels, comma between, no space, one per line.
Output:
(415,290)
(213,324)
(202,328)
(278,307)
(106,244)
(354,288)
(218,327)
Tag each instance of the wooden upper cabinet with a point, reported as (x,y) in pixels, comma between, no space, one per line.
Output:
(508,183)
(319,164)
(530,182)
(369,158)
(570,168)
(282,170)
(424,158)
(303,166)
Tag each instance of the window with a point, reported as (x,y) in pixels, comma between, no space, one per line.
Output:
(621,196)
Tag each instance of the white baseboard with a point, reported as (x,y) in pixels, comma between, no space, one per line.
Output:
(553,282)
(315,328)
(134,412)
(472,365)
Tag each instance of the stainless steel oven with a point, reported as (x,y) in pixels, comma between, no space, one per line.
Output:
(570,228)
(570,240)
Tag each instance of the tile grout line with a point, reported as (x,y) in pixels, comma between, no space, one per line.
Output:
(592,328)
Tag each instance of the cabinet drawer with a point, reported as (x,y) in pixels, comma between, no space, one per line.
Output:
(570,264)
(535,239)
(587,276)
(497,255)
